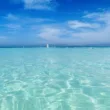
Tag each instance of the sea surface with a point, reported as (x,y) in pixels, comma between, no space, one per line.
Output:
(54,78)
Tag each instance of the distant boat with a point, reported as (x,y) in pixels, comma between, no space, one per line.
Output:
(47,46)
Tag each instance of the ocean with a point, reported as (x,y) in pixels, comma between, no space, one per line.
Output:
(55,78)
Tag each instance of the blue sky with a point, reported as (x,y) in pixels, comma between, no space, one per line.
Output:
(71,22)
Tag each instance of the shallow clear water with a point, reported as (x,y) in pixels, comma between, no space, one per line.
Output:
(55,79)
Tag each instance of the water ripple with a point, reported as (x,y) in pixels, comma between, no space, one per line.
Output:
(55,79)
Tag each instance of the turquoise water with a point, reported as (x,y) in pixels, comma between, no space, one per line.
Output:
(55,79)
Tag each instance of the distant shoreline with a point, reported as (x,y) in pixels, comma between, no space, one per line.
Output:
(54,46)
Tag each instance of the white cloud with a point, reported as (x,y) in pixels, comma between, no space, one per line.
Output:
(49,33)
(94,30)
(100,35)
(55,34)
(13,26)
(37,4)
(92,15)
(23,22)
(78,24)
(62,34)
(26,19)
(11,17)
(101,16)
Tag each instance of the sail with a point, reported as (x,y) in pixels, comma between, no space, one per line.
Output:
(47,45)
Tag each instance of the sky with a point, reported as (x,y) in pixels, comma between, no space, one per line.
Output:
(64,22)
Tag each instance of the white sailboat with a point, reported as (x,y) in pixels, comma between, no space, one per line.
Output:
(47,46)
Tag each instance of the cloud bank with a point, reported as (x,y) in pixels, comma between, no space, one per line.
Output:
(77,32)
(91,29)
